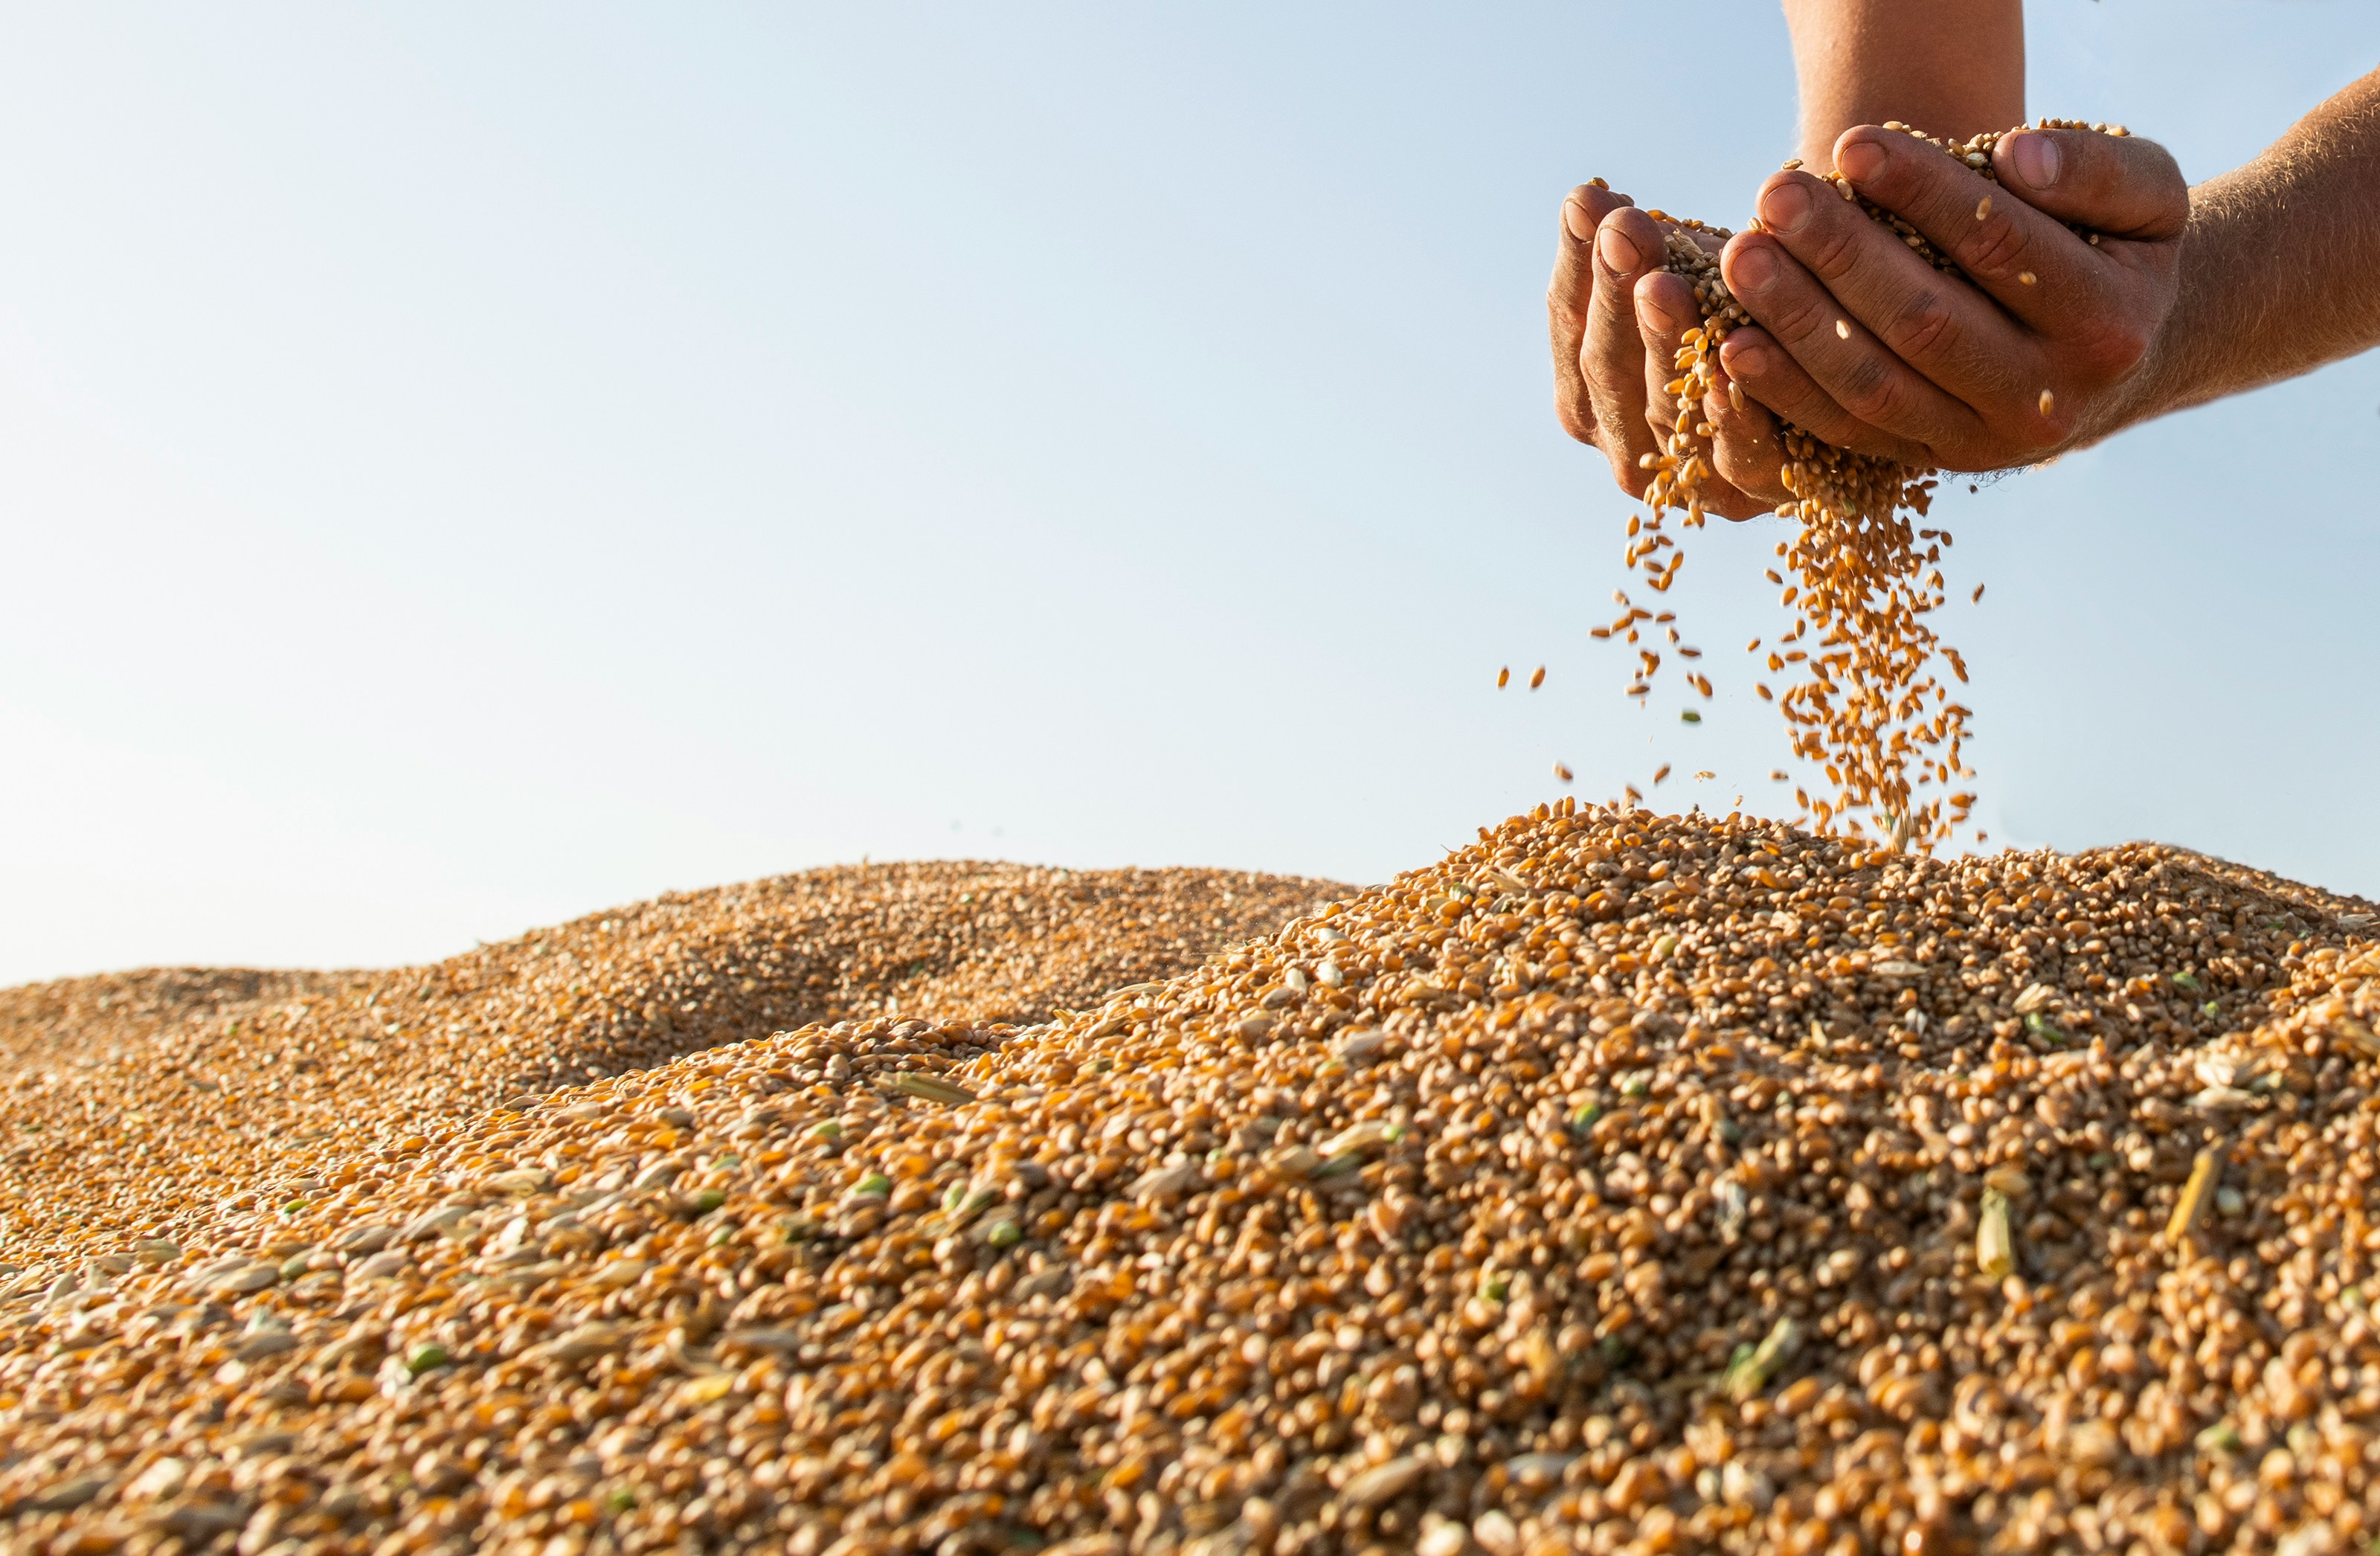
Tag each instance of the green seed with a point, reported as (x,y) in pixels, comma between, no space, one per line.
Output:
(709,1200)
(927,1089)
(876,1185)
(425,1356)
(2190,980)
(1752,1367)
(1005,1234)
(826,1129)
(1688,716)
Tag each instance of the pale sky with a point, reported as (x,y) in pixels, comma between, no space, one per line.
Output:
(465,466)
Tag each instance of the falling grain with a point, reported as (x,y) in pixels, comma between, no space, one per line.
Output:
(1871,710)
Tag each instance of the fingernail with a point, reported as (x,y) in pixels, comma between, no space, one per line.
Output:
(1744,361)
(1575,219)
(1785,208)
(2036,160)
(1619,254)
(1652,312)
(1861,161)
(1754,269)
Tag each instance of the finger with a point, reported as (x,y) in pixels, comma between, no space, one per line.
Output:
(1858,372)
(1769,375)
(2119,186)
(1567,296)
(1665,311)
(1934,322)
(1744,446)
(1627,245)
(2025,260)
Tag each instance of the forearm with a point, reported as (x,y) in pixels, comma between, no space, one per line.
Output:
(1949,68)
(2280,263)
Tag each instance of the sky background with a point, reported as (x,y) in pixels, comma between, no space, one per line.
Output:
(464,467)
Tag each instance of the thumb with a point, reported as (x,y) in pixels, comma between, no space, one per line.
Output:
(2119,185)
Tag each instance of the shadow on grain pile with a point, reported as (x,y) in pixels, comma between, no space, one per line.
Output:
(135,1100)
(1621,1184)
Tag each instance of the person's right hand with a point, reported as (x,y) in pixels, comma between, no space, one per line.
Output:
(1616,316)
(2039,344)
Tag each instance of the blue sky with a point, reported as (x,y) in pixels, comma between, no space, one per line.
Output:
(467,467)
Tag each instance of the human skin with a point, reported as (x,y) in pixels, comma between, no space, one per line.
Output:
(2180,301)
(2036,346)
(1951,68)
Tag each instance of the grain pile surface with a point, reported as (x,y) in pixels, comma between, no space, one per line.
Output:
(1620,1184)
(136,1100)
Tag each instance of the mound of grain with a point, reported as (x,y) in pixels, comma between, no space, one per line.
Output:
(1620,1184)
(134,1100)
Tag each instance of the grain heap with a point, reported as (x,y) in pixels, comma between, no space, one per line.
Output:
(1871,712)
(1619,1184)
(138,1100)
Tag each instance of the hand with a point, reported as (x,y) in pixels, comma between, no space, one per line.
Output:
(1863,344)
(1611,355)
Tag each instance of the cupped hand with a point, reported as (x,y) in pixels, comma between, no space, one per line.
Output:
(2035,347)
(1616,316)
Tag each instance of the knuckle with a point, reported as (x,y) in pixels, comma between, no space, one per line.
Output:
(1794,319)
(1996,252)
(1793,397)
(1872,392)
(1924,328)
(1835,249)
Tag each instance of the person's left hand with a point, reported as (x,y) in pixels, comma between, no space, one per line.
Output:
(1862,344)
(1611,367)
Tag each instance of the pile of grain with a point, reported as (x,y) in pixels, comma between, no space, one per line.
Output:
(1869,709)
(1619,1184)
(133,1102)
